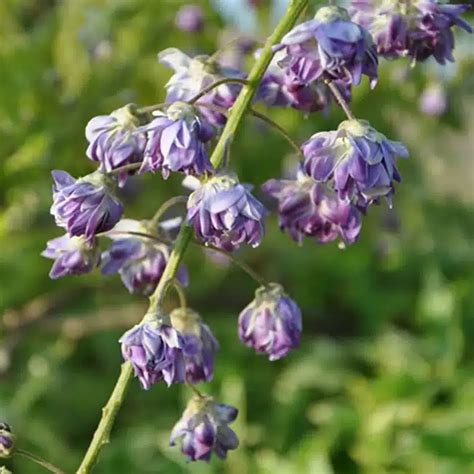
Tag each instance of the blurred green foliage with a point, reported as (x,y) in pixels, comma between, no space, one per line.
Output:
(383,382)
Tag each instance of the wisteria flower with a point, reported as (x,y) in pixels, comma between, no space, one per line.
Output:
(114,140)
(85,206)
(225,214)
(434,100)
(176,142)
(360,160)
(204,429)
(192,75)
(200,345)
(271,323)
(7,440)
(331,47)
(155,350)
(309,209)
(190,18)
(72,256)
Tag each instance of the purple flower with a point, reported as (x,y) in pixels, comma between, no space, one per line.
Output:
(329,47)
(155,350)
(175,142)
(190,18)
(7,440)
(204,429)
(224,213)
(357,158)
(140,261)
(271,323)
(434,100)
(114,140)
(85,206)
(308,209)
(419,29)
(192,75)
(72,255)
(200,345)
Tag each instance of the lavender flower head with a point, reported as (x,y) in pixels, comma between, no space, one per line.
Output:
(225,214)
(358,159)
(307,208)
(204,429)
(7,440)
(72,256)
(420,29)
(271,323)
(190,18)
(155,350)
(176,142)
(85,206)
(114,140)
(330,47)
(200,345)
(192,75)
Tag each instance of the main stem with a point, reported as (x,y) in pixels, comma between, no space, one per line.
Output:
(244,100)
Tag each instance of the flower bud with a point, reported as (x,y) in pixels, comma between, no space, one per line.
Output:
(204,429)
(7,440)
(271,323)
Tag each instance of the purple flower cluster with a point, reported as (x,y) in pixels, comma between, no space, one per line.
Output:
(7,441)
(330,47)
(175,349)
(176,142)
(140,261)
(225,214)
(358,160)
(190,18)
(204,429)
(115,141)
(307,208)
(420,29)
(192,75)
(271,323)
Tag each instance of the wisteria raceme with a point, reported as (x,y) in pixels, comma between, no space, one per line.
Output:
(420,29)
(114,140)
(307,208)
(200,345)
(204,429)
(139,260)
(358,159)
(155,350)
(72,255)
(271,323)
(190,18)
(192,75)
(329,47)
(85,206)
(225,214)
(7,440)
(176,142)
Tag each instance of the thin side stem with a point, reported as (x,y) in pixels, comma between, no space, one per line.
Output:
(101,435)
(151,108)
(154,221)
(41,462)
(246,268)
(206,90)
(342,102)
(178,287)
(121,169)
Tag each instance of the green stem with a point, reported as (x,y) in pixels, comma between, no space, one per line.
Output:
(206,90)
(154,221)
(129,167)
(342,102)
(32,457)
(101,435)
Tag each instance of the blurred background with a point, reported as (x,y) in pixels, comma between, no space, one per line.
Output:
(384,379)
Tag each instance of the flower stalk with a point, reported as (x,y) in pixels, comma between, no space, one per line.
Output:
(243,102)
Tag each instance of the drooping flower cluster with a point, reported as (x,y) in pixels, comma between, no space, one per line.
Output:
(225,214)
(271,323)
(193,75)
(419,29)
(175,348)
(204,429)
(330,47)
